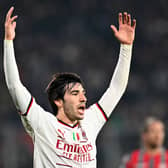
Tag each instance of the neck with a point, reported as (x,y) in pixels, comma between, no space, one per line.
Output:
(153,151)
(62,116)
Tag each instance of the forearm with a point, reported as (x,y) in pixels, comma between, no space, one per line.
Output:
(19,93)
(119,80)
(10,67)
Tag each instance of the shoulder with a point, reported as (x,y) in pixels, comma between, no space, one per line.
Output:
(49,116)
(130,156)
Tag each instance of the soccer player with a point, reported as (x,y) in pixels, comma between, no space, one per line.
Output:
(67,137)
(152,154)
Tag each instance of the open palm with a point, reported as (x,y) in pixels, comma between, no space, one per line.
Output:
(126,32)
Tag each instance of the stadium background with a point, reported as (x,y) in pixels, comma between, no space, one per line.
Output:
(75,35)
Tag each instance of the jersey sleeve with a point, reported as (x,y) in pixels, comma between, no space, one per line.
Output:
(20,95)
(22,99)
(101,111)
(118,82)
(35,118)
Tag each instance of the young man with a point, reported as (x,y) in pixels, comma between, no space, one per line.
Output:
(67,138)
(152,153)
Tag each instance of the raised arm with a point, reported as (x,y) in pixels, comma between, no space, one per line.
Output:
(19,93)
(125,36)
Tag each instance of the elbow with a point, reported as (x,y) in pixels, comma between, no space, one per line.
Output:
(12,87)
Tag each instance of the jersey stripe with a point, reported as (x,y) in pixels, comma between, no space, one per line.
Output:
(102,111)
(29,106)
(63,157)
(68,124)
(63,165)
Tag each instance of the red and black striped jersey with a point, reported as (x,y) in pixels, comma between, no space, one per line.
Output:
(141,159)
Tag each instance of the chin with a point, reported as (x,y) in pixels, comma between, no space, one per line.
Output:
(80,117)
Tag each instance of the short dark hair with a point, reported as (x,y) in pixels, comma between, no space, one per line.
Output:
(57,87)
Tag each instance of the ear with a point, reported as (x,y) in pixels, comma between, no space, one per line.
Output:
(59,103)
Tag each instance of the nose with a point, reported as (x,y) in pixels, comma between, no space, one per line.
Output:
(83,98)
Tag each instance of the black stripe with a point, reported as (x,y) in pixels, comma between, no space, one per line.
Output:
(102,111)
(25,114)
(68,124)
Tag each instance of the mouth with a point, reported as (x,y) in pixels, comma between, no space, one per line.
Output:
(81,108)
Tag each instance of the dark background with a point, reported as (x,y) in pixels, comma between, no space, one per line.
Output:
(75,35)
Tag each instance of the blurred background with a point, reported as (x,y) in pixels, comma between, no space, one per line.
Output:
(75,35)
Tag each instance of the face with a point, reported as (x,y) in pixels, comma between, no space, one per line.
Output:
(154,136)
(74,103)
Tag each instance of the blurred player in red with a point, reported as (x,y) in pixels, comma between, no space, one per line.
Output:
(67,138)
(152,154)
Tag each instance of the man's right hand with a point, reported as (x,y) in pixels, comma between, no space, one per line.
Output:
(10,25)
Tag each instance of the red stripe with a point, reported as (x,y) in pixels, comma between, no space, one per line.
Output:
(63,157)
(98,106)
(134,157)
(29,106)
(77,135)
(166,158)
(63,165)
(157,161)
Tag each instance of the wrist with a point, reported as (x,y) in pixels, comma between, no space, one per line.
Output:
(8,37)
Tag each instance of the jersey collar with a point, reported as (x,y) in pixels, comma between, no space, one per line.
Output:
(70,126)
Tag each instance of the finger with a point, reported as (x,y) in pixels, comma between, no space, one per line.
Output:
(14,25)
(134,24)
(9,13)
(129,19)
(125,18)
(120,18)
(13,18)
(114,29)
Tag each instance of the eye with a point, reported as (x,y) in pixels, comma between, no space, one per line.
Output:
(75,93)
